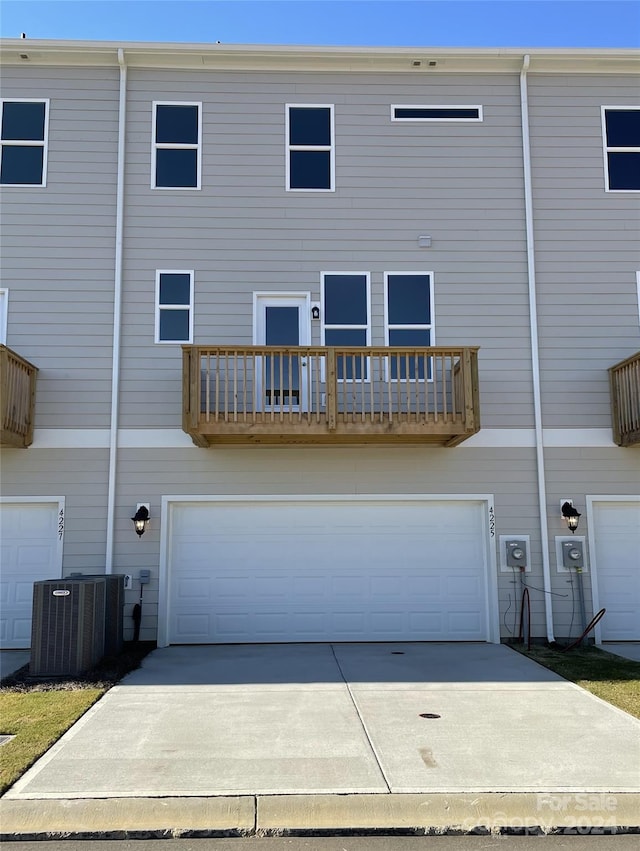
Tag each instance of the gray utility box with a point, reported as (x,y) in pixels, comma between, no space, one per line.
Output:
(68,626)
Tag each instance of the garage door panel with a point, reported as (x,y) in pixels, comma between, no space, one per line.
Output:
(616,538)
(30,552)
(319,571)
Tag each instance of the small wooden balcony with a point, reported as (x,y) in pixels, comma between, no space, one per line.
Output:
(624,379)
(269,394)
(17,399)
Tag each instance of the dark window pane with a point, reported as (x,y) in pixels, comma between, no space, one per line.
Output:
(174,326)
(409,337)
(177,124)
(347,367)
(282,326)
(624,171)
(310,170)
(431,112)
(282,373)
(175,288)
(176,167)
(409,302)
(623,128)
(23,121)
(309,126)
(21,164)
(414,365)
(345,300)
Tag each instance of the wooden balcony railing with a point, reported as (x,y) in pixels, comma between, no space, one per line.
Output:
(624,379)
(17,395)
(268,394)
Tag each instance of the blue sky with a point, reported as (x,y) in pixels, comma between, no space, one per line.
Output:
(453,23)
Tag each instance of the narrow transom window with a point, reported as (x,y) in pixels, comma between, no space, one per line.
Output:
(310,148)
(409,320)
(23,142)
(174,306)
(416,112)
(621,131)
(177,137)
(346,309)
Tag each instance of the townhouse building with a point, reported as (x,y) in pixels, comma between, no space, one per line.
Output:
(353,333)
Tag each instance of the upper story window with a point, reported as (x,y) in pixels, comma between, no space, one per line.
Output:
(310,148)
(346,304)
(174,306)
(177,142)
(409,319)
(417,112)
(621,132)
(23,141)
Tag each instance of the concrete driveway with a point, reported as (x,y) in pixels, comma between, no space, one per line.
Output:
(345,718)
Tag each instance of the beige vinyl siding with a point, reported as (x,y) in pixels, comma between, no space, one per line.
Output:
(587,247)
(242,232)
(322,470)
(80,475)
(58,246)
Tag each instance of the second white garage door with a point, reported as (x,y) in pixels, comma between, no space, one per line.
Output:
(327,570)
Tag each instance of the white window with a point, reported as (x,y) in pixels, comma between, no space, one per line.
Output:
(176,161)
(174,306)
(621,142)
(23,142)
(419,112)
(346,308)
(4,310)
(310,163)
(408,302)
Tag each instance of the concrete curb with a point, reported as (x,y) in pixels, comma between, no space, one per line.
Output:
(264,815)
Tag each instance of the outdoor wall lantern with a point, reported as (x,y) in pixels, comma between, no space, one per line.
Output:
(571,516)
(315,312)
(141,519)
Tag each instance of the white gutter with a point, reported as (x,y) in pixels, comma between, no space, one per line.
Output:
(117,303)
(535,355)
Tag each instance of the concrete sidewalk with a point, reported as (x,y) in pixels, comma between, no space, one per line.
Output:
(277,738)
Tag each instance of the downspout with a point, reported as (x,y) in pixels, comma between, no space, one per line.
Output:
(117,304)
(535,355)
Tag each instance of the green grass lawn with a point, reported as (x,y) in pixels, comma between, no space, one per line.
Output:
(37,713)
(37,719)
(610,677)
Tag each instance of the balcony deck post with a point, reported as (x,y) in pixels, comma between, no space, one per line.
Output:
(332,390)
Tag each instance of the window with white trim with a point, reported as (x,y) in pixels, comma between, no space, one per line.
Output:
(4,310)
(420,112)
(346,307)
(310,131)
(23,142)
(408,301)
(174,306)
(177,142)
(621,138)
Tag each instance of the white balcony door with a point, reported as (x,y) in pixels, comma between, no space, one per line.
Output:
(282,381)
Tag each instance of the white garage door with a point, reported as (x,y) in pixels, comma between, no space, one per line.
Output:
(327,571)
(30,550)
(616,541)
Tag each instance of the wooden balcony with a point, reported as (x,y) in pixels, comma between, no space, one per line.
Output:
(624,379)
(268,394)
(17,399)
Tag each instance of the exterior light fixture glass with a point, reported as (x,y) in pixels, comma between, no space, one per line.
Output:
(571,516)
(141,520)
